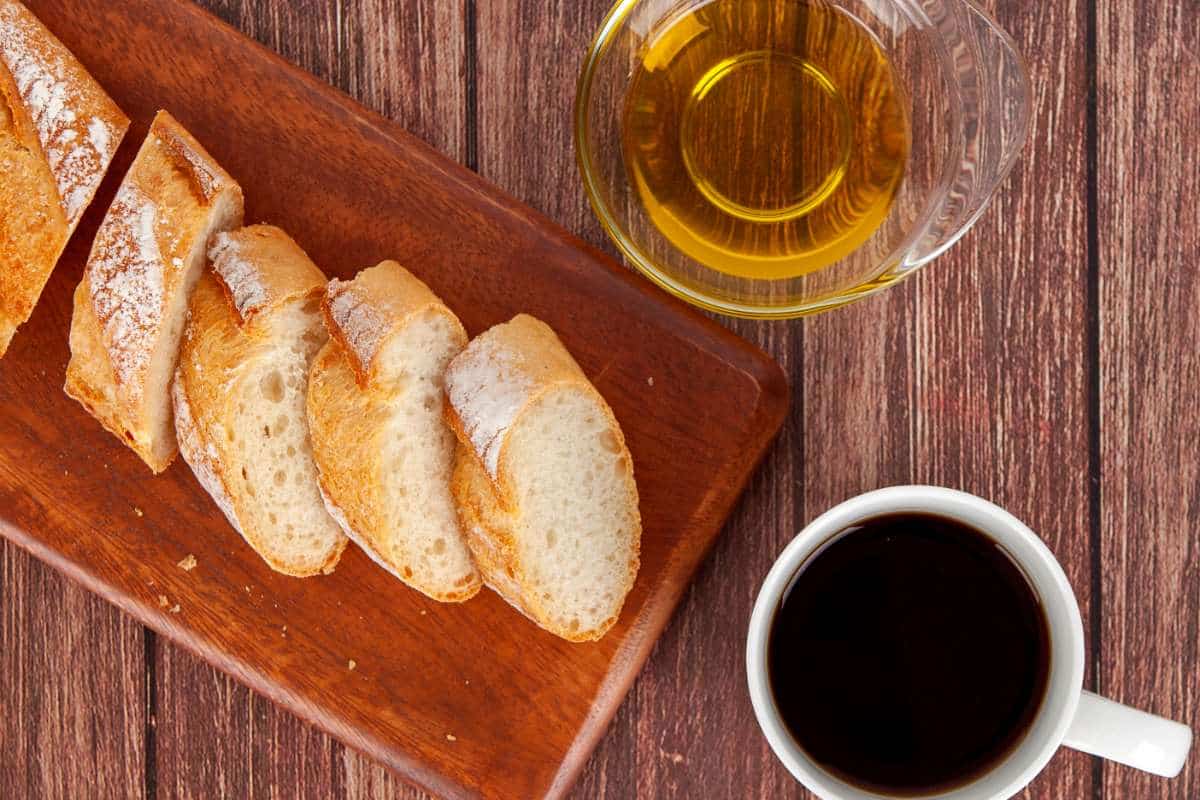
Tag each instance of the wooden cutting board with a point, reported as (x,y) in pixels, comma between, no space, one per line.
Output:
(464,701)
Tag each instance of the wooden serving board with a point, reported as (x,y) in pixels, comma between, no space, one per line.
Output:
(465,701)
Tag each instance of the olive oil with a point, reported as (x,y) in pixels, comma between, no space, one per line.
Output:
(766,138)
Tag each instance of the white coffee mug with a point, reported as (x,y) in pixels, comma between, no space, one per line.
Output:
(1068,715)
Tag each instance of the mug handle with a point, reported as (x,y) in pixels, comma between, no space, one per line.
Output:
(1128,736)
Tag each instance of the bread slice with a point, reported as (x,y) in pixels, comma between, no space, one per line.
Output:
(543,480)
(131,304)
(253,328)
(375,409)
(58,134)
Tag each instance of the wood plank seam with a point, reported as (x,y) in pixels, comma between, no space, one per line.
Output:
(470,69)
(1092,336)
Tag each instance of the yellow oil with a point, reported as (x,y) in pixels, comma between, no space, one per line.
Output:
(766,138)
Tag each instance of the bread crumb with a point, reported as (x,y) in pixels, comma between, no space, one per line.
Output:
(674,758)
(352,664)
(450,737)
(138,511)
(188,564)
(649,381)
(247,588)
(162,601)
(283,632)
(422,612)
(175,608)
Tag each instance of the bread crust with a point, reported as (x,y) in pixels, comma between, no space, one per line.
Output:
(260,268)
(349,406)
(58,134)
(363,314)
(128,306)
(217,341)
(521,361)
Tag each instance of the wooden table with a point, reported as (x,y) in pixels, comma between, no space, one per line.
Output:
(1048,362)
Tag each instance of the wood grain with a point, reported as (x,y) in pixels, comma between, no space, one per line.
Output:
(974,374)
(466,701)
(968,376)
(1148,228)
(72,694)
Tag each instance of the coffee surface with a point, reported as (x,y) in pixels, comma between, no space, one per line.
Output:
(910,654)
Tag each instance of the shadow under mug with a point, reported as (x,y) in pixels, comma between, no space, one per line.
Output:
(1069,715)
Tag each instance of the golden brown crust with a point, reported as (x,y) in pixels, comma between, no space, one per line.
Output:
(58,133)
(364,313)
(260,268)
(487,528)
(208,179)
(147,250)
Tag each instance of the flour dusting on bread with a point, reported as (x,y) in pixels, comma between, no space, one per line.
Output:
(239,276)
(126,272)
(77,150)
(486,385)
(131,307)
(359,324)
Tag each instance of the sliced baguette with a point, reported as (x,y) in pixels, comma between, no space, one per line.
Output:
(253,329)
(543,480)
(131,305)
(375,410)
(58,134)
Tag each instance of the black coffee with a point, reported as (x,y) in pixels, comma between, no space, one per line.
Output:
(909,655)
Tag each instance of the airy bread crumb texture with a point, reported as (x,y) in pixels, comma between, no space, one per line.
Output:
(577,539)
(418,451)
(381,442)
(269,434)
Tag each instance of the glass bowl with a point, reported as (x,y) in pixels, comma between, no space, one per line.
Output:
(968,102)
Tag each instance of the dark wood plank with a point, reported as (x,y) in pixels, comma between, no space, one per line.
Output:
(1148,127)
(405,61)
(973,374)
(72,694)
(465,700)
